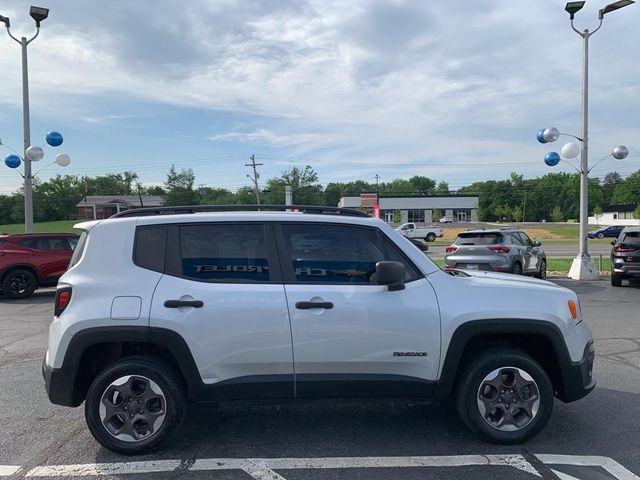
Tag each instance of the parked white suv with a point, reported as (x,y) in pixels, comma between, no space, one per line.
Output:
(163,306)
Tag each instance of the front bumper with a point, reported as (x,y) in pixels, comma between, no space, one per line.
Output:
(577,377)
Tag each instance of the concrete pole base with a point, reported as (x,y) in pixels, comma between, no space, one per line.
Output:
(583,268)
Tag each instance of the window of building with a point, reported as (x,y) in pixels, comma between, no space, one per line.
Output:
(415,216)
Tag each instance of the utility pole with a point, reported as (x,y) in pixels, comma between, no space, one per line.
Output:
(377,177)
(256,175)
(524,205)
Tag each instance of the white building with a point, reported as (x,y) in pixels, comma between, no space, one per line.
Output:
(616,215)
(418,209)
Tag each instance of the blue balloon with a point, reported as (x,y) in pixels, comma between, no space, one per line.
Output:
(54,139)
(540,136)
(12,161)
(552,159)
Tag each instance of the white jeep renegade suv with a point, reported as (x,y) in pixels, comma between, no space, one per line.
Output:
(163,306)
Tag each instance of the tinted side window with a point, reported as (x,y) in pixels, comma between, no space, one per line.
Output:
(77,252)
(525,239)
(393,253)
(73,242)
(45,243)
(516,240)
(332,253)
(224,252)
(150,246)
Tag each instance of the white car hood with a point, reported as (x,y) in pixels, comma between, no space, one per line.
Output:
(508,279)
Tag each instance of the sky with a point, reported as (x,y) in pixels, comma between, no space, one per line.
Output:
(453,90)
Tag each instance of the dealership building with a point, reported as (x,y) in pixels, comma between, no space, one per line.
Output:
(417,209)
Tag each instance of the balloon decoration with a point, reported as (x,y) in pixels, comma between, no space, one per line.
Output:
(620,152)
(62,159)
(35,154)
(551,134)
(54,139)
(570,150)
(552,159)
(12,161)
(540,136)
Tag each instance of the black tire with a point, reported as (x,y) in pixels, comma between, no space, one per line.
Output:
(19,284)
(472,377)
(542,271)
(600,235)
(616,280)
(430,237)
(517,269)
(171,386)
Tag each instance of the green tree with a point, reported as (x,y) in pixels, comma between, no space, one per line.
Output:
(245,196)
(215,196)
(442,189)
(556,214)
(56,199)
(422,185)
(304,185)
(179,187)
(636,214)
(597,213)
(628,192)
(111,184)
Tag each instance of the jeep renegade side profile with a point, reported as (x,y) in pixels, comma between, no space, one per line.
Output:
(161,307)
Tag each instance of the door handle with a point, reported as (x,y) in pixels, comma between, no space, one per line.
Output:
(183,303)
(310,305)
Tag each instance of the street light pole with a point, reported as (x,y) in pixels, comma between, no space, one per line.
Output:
(38,14)
(26,126)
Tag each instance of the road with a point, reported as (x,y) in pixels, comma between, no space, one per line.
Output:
(596,438)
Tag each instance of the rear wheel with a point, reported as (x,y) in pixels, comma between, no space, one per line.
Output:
(616,280)
(134,405)
(430,237)
(517,269)
(19,284)
(504,395)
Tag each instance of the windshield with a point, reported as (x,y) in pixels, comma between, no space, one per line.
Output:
(479,238)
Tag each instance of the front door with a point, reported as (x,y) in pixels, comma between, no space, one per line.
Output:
(224,295)
(351,336)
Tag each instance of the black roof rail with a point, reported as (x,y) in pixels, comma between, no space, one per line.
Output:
(143,212)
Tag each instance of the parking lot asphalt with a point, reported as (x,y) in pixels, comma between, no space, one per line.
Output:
(595,438)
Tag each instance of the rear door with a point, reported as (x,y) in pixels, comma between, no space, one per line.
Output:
(351,336)
(50,255)
(222,292)
(532,253)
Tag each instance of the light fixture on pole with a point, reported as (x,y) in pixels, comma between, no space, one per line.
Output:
(583,267)
(38,14)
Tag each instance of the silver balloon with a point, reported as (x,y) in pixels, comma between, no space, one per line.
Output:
(570,150)
(620,152)
(551,134)
(62,159)
(34,153)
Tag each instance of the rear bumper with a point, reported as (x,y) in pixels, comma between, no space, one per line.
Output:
(577,377)
(60,385)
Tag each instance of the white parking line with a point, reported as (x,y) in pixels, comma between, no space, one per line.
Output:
(264,468)
(92,469)
(608,464)
(6,470)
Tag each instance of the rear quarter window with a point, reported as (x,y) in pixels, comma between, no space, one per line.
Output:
(77,252)
(150,247)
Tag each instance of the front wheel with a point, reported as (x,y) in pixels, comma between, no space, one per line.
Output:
(600,235)
(542,272)
(616,280)
(504,395)
(134,405)
(430,237)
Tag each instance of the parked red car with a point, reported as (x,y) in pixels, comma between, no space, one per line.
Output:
(33,260)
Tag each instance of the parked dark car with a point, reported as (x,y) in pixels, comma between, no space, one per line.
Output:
(35,260)
(625,256)
(611,232)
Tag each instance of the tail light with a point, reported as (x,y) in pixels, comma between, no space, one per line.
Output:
(500,249)
(451,248)
(621,249)
(63,297)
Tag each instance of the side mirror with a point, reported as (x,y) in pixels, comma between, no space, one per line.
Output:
(613,242)
(536,243)
(390,274)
